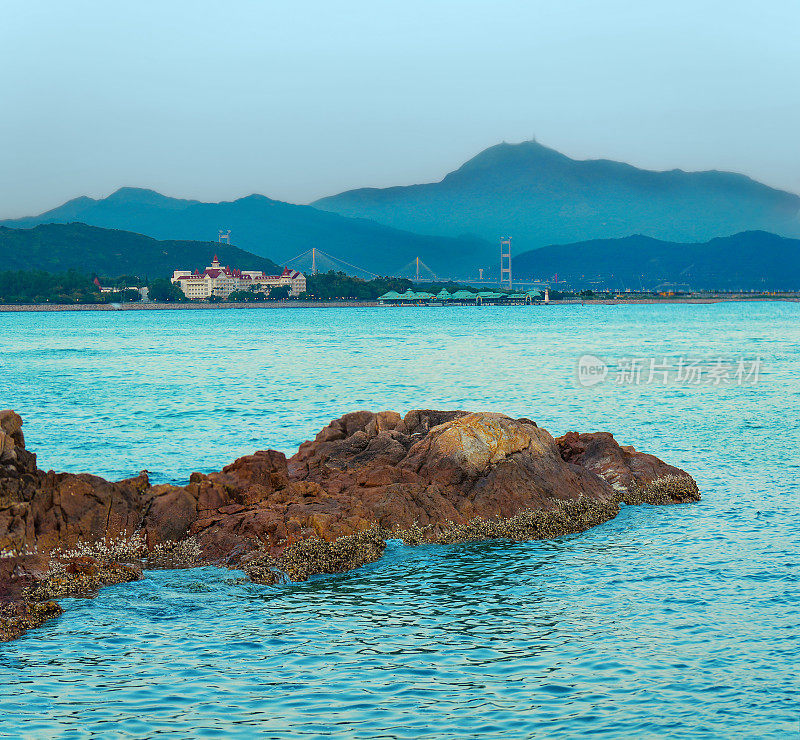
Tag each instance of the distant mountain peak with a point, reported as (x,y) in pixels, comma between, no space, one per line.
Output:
(81,200)
(145,196)
(127,191)
(540,196)
(255,198)
(526,153)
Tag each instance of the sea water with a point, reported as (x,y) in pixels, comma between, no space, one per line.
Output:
(680,621)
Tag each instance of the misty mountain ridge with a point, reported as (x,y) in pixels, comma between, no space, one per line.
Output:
(750,260)
(540,196)
(272,229)
(535,194)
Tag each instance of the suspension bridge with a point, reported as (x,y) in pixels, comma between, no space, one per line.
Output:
(314,261)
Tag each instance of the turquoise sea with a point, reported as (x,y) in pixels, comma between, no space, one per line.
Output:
(679,622)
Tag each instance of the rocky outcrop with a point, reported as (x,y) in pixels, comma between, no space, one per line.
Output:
(637,477)
(451,468)
(45,514)
(430,470)
(429,476)
(44,510)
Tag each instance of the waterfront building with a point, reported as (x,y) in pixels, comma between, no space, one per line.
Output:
(464,296)
(220,282)
(411,297)
(460,297)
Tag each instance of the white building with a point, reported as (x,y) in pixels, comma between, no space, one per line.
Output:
(220,281)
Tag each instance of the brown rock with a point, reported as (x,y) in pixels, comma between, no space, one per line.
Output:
(45,510)
(169,513)
(431,475)
(464,466)
(11,426)
(19,573)
(636,476)
(266,469)
(15,460)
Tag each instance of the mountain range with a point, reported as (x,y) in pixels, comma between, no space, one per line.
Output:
(273,229)
(530,192)
(539,197)
(111,252)
(745,261)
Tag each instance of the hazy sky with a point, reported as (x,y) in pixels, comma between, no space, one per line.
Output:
(299,99)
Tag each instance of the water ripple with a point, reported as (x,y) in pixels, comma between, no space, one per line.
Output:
(679,621)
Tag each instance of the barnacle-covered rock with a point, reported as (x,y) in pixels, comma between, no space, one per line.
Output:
(18,617)
(174,555)
(667,489)
(311,557)
(81,576)
(567,517)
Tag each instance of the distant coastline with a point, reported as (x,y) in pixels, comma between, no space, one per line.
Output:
(181,306)
(135,306)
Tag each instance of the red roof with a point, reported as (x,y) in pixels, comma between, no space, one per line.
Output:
(236,273)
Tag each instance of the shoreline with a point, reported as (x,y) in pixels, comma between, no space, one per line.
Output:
(49,307)
(182,306)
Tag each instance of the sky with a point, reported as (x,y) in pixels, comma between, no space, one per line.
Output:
(301,99)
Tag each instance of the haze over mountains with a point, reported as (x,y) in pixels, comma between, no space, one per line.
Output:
(272,229)
(528,191)
(751,260)
(540,196)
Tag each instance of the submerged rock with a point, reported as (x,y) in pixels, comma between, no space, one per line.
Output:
(429,476)
(18,617)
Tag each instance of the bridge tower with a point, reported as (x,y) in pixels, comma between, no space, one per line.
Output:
(224,236)
(505,260)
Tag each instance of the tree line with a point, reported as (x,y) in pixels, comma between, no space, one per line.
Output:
(38,286)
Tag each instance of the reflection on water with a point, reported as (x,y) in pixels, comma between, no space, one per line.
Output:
(679,621)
